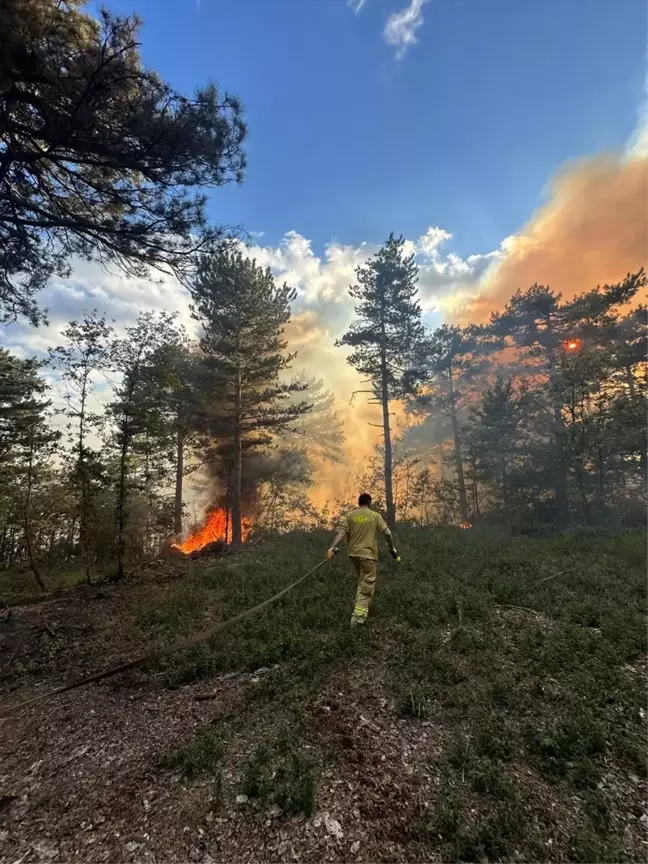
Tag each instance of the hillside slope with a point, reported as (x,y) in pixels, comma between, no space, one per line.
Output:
(492,709)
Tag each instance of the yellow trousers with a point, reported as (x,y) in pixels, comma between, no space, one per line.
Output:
(366,570)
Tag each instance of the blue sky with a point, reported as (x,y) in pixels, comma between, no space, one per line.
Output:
(443,120)
(348,142)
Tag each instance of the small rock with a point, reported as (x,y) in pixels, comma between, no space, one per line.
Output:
(355,847)
(241,799)
(633,778)
(333,826)
(133,846)
(274,812)
(644,818)
(44,849)
(195,854)
(642,714)
(262,671)
(99,819)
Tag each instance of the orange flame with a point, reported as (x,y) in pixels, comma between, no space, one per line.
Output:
(465,525)
(217,527)
(573,345)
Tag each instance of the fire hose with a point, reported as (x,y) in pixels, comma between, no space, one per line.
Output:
(180,645)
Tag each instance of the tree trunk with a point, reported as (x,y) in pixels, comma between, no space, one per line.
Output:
(238,467)
(70,535)
(560,476)
(389,492)
(28,541)
(177,519)
(643,453)
(121,506)
(3,545)
(83,515)
(32,560)
(475,488)
(461,480)
(441,462)
(505,503)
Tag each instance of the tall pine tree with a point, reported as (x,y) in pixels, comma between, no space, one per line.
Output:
(386,335)
(243,313)
(80,359)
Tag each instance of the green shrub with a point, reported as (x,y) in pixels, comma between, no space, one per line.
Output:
(277,776)
(202,755)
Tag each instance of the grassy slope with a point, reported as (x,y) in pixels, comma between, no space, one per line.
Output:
(506,670)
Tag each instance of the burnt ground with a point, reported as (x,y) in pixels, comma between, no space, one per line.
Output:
(462,738)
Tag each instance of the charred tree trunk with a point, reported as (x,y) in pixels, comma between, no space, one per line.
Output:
(461,480)
(85,503)
(238,466)
(28,539)
(384,401)
(177,514)
(121,503)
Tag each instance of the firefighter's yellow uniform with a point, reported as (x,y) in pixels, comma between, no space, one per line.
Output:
(359,529)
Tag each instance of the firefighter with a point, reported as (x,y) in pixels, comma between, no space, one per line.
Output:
(359,530)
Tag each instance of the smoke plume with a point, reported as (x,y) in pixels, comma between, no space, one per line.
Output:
(593,230)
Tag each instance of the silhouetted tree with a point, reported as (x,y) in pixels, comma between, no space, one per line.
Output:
(98,156)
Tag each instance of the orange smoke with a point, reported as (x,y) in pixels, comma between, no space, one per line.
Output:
(592,231)
(217,527)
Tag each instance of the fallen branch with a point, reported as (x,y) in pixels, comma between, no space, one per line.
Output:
(520,608)
(180,645)
(373,726)
(547,578)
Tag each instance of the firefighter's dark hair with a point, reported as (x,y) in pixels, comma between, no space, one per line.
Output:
(364,500)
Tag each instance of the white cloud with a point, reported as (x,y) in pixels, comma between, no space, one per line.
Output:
(637,145)
(356,5)
(445,277)
(316,279)
(322,282)
(400,29)
(432,239)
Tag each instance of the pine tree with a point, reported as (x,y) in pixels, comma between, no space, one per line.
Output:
(134,409)
(538,326)
(493,435)
(455,361)
(243,313)
(26,441)
(98,156)
(80,360)
(386,336)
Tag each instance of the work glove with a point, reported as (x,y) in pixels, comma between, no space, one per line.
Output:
(395,556)
(332,552)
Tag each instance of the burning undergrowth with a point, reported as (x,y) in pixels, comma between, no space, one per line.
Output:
(215,533)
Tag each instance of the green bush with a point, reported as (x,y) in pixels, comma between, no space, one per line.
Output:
(275,775)
(202,755)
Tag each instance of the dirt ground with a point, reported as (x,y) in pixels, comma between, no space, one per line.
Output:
(80,775)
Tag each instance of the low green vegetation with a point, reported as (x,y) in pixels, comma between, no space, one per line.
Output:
(277,776)
(201,755)
(518,656)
